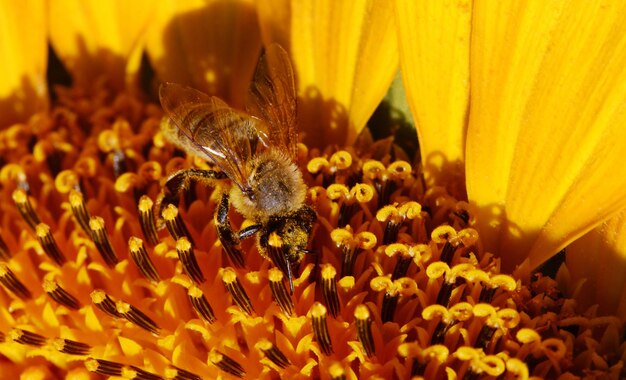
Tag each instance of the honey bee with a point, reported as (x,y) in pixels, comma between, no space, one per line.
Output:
(257,151)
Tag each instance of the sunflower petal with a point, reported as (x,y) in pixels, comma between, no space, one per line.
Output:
(546,135)
(210,45)
(97,38)
(23,65)
(599,257)
(345,57)
(434,58)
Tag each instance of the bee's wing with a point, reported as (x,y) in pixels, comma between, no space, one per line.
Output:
(205,125)
(272,98)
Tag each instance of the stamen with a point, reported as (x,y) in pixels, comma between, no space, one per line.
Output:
(405,257)
(329,289)
(175,373)
(351,246)
(5,255)
(146,220)
(27,337)
(49,245)
(236,290)
(60,295)
(320,328)
(10,281)
(273,353)
(188,259)
(79,210)
(101,240)
(394,221)
(226,364)
(137,317)
(388,307)
(71,347)
(25,208)
(337,372)
(141,259)
(200,304)
(363,329)
(135,373)
(104,303)
(279,291)
(174,223)
(104,367)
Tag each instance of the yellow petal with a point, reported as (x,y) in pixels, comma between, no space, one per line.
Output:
(96,38)
(546,139)
(345,56)
(599,258)
(209,45)
(24,54)
(434,59)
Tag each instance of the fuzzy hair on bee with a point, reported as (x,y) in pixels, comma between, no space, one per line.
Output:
(256,150)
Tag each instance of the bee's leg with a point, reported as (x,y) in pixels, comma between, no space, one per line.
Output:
(179,182)
(245,233)
(228,238)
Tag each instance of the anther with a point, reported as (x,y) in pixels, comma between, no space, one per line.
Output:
(71,347)
(79,210)
(329,289)
(146,220)
(104,367)
(137,317)
(141,259)
(25,208)
(49,245)
(272,353)
(226,363)
(320,328)
(351,246)
(236,290)
(279,291)
(187,257)
(101,241)
(337,372)
(364,329)
(5,255)
(200,304)
(405,257)
(136,373)
(175,373)
(26,337)
(174,223)
(60,295)
(11,282)
(104,303)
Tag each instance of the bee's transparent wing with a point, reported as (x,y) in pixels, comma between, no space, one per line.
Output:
(203,124)
(272,98)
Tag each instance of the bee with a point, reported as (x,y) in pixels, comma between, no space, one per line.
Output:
(257,151)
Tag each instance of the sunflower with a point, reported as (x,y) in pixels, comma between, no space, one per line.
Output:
(423,267)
